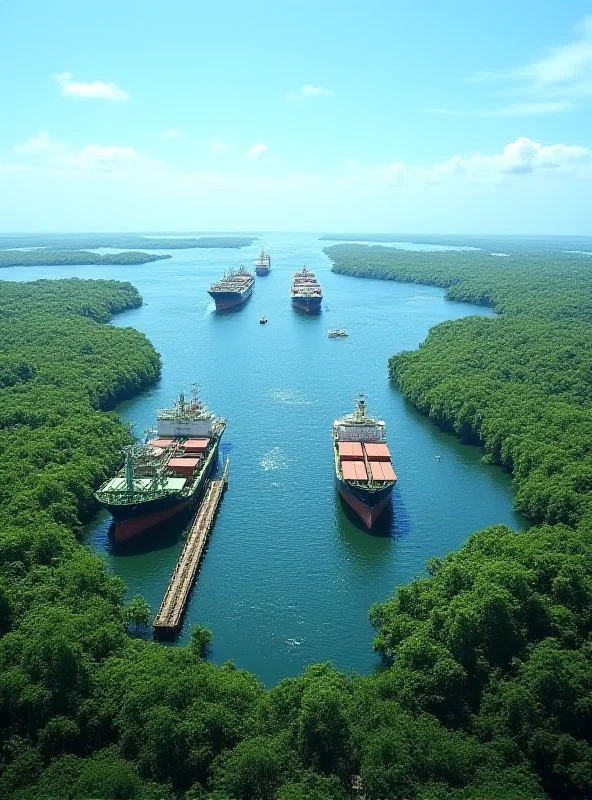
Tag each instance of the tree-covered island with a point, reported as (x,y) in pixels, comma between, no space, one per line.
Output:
(48,257)
(124,241)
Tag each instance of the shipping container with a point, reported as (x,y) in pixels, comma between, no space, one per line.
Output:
(349,470)
(388,471)
(348,451)
(360,467)
(376,470)
(184,465)
(196,445)
(377,452)
(161,442)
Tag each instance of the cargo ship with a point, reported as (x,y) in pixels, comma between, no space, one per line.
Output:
(166,474)
(233,290)
(364,474)
(263,264)
(307,294)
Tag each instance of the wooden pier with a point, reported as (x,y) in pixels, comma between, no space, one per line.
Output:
(167,622)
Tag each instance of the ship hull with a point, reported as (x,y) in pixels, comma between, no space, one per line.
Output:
(262,271)
(226,300)
(133,520)
(310,305)
(368,505)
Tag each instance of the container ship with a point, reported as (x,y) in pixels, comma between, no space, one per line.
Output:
(364,474)
(233,290)
(166,474)
(307,294)
(263,264)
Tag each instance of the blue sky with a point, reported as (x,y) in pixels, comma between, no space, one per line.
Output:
(322,116)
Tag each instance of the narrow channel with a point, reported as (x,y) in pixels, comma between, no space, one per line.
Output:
(289,577)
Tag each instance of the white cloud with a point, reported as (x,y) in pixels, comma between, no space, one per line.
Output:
(172,133)
(42,143)
(219,146)
(566,63)
(530,109)
(107,158)
(309,91)
(257,151)
(518,160)
(314,91)
(97,90)
(551,83)
(521,157)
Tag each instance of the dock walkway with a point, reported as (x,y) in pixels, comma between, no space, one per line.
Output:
(170,614)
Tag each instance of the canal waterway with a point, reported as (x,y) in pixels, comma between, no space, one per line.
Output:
(289,577)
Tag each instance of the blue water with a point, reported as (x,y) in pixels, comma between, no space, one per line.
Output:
(289,577)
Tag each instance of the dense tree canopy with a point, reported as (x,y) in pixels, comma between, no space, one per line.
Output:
(82,241)
(498,638)
(487,676)
(47,256)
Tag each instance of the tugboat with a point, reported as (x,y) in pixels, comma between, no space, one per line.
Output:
(307,294)
(364,473)
(233,290)
(263,320)
(263,264)
(167,474)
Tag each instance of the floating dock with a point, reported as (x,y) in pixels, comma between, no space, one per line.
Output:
(167,622)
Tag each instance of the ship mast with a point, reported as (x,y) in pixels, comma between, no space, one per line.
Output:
(361,408)
(129,469)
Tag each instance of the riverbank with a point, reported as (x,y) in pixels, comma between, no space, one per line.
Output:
(48,257)
(89,711)
(123,241)
(519,385)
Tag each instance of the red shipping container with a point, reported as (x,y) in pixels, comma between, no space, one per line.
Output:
(349,451)
(349,470)
(196,445)
(360,468)
(376,470)
(183,464)
(377,451)
(388,471)
(164,442)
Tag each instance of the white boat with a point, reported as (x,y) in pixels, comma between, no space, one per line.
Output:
(338,333)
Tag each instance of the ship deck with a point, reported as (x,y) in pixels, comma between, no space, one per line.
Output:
(119,484)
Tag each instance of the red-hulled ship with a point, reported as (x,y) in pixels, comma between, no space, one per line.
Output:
(168,474)
(364,474)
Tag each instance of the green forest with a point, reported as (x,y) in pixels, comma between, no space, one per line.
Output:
(46,256)
(486,688)
(126,241)
(508,244)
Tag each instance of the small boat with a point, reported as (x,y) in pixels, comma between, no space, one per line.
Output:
(263,320)
(338,333)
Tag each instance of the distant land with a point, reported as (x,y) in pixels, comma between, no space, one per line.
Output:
(124,241)
(48,257)
(483,241)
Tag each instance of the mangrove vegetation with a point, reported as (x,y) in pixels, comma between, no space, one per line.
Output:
(124,241)
(47,256)
(486,690)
